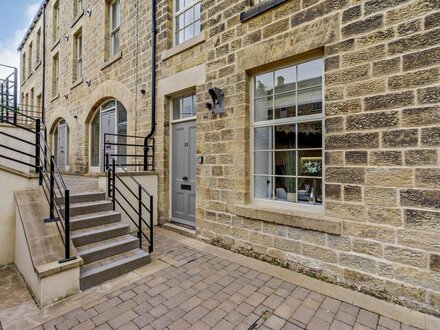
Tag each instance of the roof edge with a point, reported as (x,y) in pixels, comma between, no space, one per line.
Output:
(33,23)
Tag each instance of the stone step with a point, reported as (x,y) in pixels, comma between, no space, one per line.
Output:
(84,197)
(99,233)
(108,248)
(94,219)
(89,207)
(101,271)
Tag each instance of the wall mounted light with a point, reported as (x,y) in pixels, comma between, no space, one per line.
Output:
(66,37)
(88,82)
(218,100)
(89,12)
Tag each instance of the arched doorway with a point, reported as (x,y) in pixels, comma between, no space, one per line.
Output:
(109,118)
(61,145)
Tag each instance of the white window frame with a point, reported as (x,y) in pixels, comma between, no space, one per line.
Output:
(179,96)
(282,205)
(114,29)
(79,51)
(177,13)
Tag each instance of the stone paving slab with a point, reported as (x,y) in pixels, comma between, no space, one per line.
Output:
(203,291)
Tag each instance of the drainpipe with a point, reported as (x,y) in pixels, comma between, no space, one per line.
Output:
(43,92)
(153,83)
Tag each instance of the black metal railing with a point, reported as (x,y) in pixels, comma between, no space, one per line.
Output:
(27,114)
(42,161)
(9,87)
(129,151)
(143,200)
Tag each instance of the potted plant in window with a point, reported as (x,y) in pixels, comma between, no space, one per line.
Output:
(313,169)
(289,182)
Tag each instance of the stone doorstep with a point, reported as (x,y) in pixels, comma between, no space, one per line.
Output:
(56,267)
(314,222)
(392,311)
(180,229)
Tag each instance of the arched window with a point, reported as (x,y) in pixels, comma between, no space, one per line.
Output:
(110,118)
(61,145)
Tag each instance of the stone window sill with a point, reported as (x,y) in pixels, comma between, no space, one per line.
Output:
(112,60)
(194,41)
(77,83)
(23,81)
(288,218)
(78,17)
(37,66)
(30,75)
(55,45)
(259,9)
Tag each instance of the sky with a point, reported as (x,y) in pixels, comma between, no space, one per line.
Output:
(15,18)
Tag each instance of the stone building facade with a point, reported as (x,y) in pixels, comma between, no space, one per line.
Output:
(326,157)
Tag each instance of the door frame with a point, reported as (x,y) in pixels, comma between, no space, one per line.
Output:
(170,169)
(99,112)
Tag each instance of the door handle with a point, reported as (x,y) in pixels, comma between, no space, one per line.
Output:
(185,178)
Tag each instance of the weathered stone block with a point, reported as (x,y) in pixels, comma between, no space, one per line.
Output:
(421,157)
(351,14)
(333,191)
(367,247)
(353,193)
(356,262)
(416,8)
(261,239)
(334,93)
(425,116)
(339,47)
(334,124)
(420,198)
(422,220)
(334,158)
(414,79)
(434,262)
(418,277)
(403,138)
(358,27)
(416,258)
(389,177)
(389,101)
(368,231)
(375,37)
(414,42)
(356,157)
(429,95)
(386,67)
(411,27)
(386,158)
(332,63)
(357,73)
(352,141)
(431,136)
(339,108)
(345,175)
(345,211)
(368,87)
(432,21)
(374,6)
(362,56)
(340,243)
(319,253)
(275,229)
(275,28)
(428,178)
(419,60)
(386,216)
(286,244)
(380,196)
(367,121)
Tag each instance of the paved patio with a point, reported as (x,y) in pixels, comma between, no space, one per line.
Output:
(198,289)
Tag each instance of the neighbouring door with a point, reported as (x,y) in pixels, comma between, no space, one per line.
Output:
(62,145)
(184,172)
(108,126)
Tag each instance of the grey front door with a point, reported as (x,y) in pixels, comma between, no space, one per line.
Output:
(108,125)
(184,172)
(62,146)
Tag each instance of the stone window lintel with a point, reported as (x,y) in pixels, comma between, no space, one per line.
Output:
(259,9)
(295,219)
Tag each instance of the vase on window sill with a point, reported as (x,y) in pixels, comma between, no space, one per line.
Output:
(291,197)
(312,198)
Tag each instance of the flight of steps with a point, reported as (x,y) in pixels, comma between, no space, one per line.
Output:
(102,240)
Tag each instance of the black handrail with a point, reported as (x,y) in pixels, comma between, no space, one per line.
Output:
(112,166)
(120,140)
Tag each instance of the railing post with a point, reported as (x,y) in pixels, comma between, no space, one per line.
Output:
(140,216)
(146,156)
(107,168)
(52,187)
(114,184)
(67,223)
(37,145)
(150,248)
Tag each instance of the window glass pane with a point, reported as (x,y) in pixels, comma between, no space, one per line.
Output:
(285,80)
(263,138)
(310,101)
(285,189)
(180,4)
(180,22)
(310,74)
(310,162)
(285,137)
(196,27)
(285,163)
(197,12)
(310,135)
(189,32)
(263,109)
(122,130)
(187,107)
(263,187)
(184,106)
(310,191)
(95,141)
(189,16)
(109,105)
(285,105)
(115,42)
(263,162)
(264,84)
